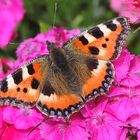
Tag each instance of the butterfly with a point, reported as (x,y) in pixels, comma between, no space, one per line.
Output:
(60,83)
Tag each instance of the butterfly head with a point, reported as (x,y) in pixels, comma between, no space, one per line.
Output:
(57,55)
(51,46)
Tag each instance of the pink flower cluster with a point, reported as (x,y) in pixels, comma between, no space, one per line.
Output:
(113,116)
(11,13)
(128,8)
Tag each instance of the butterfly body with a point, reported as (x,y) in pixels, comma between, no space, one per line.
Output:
(60,83)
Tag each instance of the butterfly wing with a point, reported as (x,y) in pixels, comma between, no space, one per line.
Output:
(103,41)
(54,104)
(22,88)
(102,76)
(102,44)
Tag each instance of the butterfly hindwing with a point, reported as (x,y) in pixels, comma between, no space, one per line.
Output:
(56,104)
(22,88)
(102,76)
(103,41)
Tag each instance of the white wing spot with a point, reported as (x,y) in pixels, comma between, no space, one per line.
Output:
(101,66)
(10,82)
(104,29)
(51,98)
(116,22)
(89,37)
(25,73)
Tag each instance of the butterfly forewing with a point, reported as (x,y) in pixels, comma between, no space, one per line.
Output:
(104,41)
(22,88)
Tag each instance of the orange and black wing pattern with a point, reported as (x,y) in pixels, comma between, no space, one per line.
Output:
(54,104)
(22,88)
(104,41)
(102,76)
(90,53)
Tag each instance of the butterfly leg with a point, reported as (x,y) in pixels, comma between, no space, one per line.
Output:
(45,119)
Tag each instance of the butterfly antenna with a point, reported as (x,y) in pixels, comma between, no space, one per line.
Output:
(55,9)
(12,43)
(45,119)
(136,30)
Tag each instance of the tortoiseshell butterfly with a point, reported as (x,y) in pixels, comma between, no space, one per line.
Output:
(60,83)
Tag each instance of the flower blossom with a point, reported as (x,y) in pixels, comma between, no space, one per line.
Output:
(128,8)
(11,13)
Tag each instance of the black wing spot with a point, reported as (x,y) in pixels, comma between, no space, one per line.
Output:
(94,50)
(83,40)
(104,45)
(107,39)
(111,25)
(35,83)
(92,64)
(17,76)
(25,90)
(96,32)
(30,69)
(47,89)
(18,89)
(4,86)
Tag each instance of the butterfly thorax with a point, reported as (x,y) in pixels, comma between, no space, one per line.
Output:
(61,75)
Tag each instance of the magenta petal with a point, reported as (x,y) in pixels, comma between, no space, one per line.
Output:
(123,135)
(94,106)
(125,104)
(104,127)
(76,132)
(22,118)
(133,77)
(11,133)
(62,130)
(32,49)
(122,65)
(1,117)
(8,114)
(131,128)
(128,8)
(134,120)
(11,13)
(122,108)
(60,35)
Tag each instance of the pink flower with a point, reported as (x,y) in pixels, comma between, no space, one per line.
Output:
(36,46)
(22,118)
(60,130)
(133,77)
(11,133)
(124,102)
(11,13)
(131,128)
(30,49)
(127,69)
(128,8)
(101,124)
